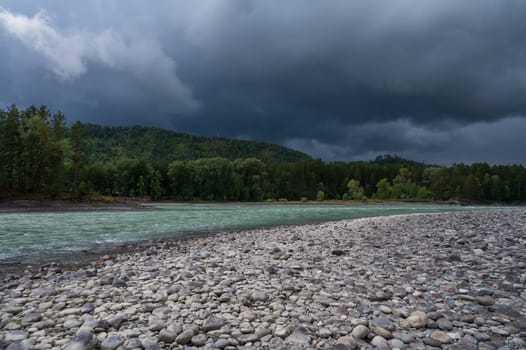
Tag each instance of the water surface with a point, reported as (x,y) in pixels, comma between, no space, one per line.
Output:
(40,236)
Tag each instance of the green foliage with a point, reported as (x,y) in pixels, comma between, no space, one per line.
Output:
(32,150)
(79,154)
(156,191)
(429,174)
(355,190)
(152,144)
(383,189)
(405,188)
(423,193)
(472,188)
(39,154)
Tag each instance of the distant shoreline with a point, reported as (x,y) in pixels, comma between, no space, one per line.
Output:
(123,203)
(29,205)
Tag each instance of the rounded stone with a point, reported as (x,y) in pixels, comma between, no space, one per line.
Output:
(221,343)
(441,337)
(382,332)
(360,331)
(385,309)
(185,337)
(379,341)
(444,324)
(247,338)
(112,342)
(167,336)
(281,332)
(213,323)
(485,300)
(31,317)
(325,333)
(348,341)
(417,319)
(259,296)
(397,343)
(199,340)
(16,335)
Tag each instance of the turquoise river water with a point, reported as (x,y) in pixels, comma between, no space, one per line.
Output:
(40,236)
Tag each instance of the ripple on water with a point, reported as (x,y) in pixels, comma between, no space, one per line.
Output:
(43,235)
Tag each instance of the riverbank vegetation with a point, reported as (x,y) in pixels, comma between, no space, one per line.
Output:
(40,154)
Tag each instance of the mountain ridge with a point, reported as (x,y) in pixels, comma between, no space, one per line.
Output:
(158,144)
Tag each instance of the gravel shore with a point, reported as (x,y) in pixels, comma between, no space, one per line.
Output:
(426,281)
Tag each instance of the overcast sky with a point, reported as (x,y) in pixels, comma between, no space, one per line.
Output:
(436,81)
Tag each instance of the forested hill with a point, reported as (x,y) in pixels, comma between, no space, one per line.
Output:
(108,143)
(39,154)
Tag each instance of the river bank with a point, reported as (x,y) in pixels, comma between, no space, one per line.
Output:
(447,280)
(128,203)
(45,205)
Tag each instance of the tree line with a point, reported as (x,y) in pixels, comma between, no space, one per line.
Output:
(40,154)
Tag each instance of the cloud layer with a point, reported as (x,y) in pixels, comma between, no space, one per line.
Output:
(340,79)
(69,55)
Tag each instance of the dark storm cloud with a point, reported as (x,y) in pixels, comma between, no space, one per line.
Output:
(497,142)
(340,79)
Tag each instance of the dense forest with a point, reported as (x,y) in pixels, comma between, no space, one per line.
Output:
(40,154)
(153,144)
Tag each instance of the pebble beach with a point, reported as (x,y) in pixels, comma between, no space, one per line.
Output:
(423,281)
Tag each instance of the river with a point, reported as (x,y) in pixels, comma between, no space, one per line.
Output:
(27,237)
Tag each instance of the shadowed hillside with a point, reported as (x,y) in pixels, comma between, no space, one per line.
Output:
(155,144)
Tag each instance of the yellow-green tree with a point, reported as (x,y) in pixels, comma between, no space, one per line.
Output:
(355,190)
